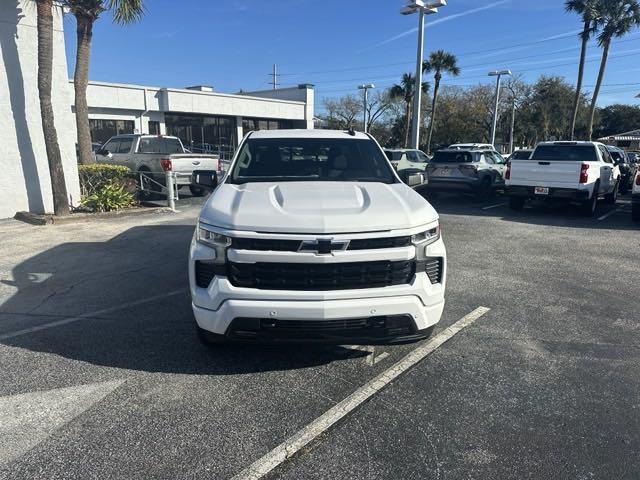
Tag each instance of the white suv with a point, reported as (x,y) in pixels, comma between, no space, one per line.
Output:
(578,172)
(313,237)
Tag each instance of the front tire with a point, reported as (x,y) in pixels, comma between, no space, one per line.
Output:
(516,203)
(635,212)
(485,191)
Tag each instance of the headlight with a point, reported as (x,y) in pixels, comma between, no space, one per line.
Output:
(211,238)
(427,237)
(218,242)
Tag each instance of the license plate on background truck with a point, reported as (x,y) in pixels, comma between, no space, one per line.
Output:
(541,190)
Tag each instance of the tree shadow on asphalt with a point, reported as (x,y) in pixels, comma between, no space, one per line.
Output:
(553,215)
(157,336)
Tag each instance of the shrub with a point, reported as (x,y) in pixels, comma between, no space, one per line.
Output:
(106,187)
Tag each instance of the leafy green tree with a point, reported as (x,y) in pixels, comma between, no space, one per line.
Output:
(87,13)
(405,91)
(589,11)
(439,62)
(45,79)
(616,119)
(618,18)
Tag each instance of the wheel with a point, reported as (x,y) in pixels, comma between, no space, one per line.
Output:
(612,198)
(485,190)
(588,208)
(198,191)
(624,186)
(516,203)
(635,212)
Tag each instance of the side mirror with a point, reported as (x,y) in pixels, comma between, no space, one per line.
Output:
(415,179)
(205,178)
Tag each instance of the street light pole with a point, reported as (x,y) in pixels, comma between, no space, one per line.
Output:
(422,8)
(366,88)
(497,73)
(417,94)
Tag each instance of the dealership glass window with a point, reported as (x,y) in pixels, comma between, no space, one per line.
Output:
(204,134)
(154,127)
(253,124)
(103,130)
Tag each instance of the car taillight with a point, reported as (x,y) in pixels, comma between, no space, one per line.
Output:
(584,173)
(165,163)
(507,174)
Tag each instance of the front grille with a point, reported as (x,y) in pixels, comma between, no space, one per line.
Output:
(369,327)
(206,271)
(320,277)
(265,244)
(433,267)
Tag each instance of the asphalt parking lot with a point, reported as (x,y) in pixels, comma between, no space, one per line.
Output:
(102,376)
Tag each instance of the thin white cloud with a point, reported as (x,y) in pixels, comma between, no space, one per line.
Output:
(439,21)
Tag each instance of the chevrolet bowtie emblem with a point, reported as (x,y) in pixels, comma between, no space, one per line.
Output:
(323,246)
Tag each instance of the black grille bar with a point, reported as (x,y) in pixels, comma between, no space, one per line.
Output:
(264,244)
(206,271)
(433,267)
(320,277)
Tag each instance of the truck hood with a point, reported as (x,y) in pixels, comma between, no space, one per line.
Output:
(316,207)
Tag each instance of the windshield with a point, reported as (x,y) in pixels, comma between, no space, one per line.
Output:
(452,157)
(311,159)
(575,153)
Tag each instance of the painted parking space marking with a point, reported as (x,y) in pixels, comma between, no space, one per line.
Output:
(85,316)
(494,206)
(299,440)
(608,214)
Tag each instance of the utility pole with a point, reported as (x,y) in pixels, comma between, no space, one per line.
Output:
(366,88)
(274,77)
(499,74)
(513,124)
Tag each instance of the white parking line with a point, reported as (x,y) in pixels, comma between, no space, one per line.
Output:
(494,206)
(296,442)
(85,316)
(607,215)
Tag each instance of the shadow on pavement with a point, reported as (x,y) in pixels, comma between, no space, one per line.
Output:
(75,278)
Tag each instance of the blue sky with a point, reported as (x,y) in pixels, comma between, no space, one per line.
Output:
(337,44)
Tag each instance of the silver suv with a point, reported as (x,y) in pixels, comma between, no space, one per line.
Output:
(474,170)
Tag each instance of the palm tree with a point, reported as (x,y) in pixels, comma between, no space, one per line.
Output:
(439,62)
(618,18)
(86,13)
(405,91)
(45,79)
(590,12)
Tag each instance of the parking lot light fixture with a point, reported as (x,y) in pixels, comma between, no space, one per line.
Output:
(366,88)
(422,8)
(499,74)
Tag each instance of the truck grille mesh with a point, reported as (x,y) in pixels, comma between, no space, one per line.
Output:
(339,276)
(260,244)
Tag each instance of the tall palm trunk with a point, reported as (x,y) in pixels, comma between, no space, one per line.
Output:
(45,79)
(407,124)
(434,103)
(603,66)
(81,82)
(583,55)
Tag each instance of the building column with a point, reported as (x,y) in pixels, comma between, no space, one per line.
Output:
(239,134)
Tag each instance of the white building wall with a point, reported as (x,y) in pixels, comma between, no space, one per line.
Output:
(24,181)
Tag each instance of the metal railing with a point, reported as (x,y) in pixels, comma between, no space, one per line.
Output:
(169,189)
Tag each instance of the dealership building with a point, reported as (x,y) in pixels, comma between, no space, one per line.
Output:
(204,119)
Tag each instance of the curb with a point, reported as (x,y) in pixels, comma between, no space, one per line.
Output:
(50,219)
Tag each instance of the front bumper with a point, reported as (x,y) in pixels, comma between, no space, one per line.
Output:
(569,194)
(370,315)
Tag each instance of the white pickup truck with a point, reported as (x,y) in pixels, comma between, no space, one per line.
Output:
(311,236)
(154,155)
(576,172)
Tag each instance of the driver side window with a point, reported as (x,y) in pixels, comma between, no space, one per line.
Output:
(605,155)
(111,146)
